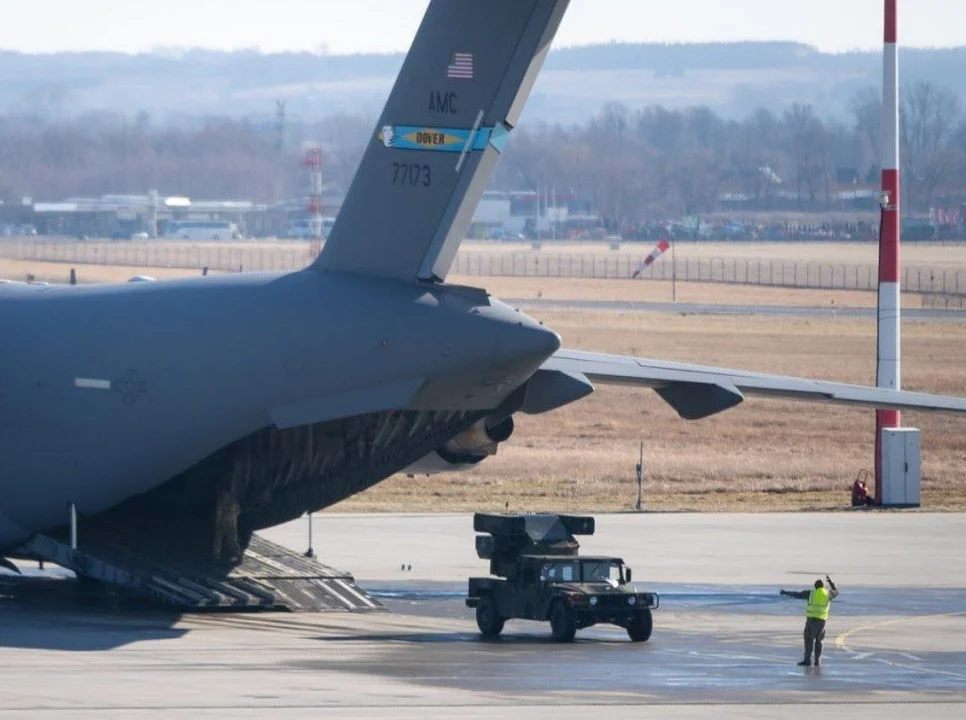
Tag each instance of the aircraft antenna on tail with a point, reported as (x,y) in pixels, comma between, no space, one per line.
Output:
(888,343)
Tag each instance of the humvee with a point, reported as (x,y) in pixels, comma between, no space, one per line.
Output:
(540,576)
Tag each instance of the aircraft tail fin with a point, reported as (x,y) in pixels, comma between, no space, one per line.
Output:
(457,98)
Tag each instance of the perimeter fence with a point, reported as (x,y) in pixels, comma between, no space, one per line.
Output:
(734,271)
(940,284)
(181,255)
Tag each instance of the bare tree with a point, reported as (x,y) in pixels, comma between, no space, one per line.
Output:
(635,165)
(867,115)
(616,178)
(755,158)
(930,116)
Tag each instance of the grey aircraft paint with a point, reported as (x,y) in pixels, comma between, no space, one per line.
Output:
(201,410)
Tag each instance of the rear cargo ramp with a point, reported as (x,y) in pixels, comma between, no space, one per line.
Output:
(270,576)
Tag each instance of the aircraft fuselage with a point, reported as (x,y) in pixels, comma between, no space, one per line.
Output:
(107,392)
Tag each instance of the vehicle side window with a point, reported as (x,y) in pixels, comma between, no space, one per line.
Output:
(568,573)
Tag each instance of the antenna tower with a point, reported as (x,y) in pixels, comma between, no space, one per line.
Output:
(312,161)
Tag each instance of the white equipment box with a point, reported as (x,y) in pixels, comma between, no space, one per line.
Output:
(901,467)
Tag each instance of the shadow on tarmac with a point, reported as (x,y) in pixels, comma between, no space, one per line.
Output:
(62,613)
(507,639)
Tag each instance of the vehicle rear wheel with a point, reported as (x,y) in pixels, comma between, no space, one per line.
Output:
(641,626)
(488,619)
(563,623)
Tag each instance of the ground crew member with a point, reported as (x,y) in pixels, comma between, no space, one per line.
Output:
(816,613)
(861,495)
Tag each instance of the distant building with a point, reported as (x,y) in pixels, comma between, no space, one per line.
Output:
(17,218)
(549,213)
(122,216)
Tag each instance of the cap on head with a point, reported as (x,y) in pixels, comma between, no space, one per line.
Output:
(818,584)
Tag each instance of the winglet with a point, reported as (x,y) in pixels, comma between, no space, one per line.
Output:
(449,116)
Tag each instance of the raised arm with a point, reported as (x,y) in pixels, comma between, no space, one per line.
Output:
(832,590)
(801,595)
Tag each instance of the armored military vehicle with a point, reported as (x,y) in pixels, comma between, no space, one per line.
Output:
(540,576)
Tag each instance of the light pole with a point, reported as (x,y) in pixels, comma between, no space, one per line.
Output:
(310,553)
(674,274)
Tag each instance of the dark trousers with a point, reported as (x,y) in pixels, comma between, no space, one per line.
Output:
(814,635)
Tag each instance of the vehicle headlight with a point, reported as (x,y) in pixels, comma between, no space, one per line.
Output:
(593,601)
(632,600)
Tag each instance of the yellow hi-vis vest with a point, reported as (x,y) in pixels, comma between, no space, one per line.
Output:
(818,603)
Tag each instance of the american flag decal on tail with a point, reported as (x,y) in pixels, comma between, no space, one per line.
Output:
(461,68)
(658,250)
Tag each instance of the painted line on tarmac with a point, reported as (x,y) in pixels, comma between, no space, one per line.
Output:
(726,656)
(841,642)
(921,668)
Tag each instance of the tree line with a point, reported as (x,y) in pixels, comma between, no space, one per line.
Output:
(657,162)
(634,164)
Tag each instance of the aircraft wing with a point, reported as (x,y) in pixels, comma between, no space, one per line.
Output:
(698,391)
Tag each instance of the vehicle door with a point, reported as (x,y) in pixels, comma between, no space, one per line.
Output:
(552,574)
(527,590)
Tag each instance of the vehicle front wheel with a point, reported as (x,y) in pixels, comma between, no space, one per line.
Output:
(563,623)
(641,625)
(488,619)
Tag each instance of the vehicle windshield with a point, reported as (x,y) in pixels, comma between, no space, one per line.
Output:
(585,571)
(560,572)
(601,571)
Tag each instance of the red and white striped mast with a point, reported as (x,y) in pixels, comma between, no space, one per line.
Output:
(888,344)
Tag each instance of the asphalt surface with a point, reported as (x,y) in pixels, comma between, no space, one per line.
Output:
(725,643)
(829,311)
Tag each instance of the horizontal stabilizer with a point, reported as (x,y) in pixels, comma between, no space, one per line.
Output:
(448,118)
(697,391)
(550,389)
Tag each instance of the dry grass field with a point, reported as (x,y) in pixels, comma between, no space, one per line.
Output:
(529,288)
(764,455)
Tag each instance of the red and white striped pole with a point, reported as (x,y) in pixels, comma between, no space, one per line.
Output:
(888,345)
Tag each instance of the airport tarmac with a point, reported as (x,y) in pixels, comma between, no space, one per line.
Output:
(725,643)
(798,311)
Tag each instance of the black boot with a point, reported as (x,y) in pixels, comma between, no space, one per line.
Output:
(805,663)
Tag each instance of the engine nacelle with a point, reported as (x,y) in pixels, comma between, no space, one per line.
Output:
(467,449)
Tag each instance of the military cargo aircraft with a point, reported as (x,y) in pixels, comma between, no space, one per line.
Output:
(193,412)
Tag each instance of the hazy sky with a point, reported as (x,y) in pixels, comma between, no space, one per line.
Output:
(346,26)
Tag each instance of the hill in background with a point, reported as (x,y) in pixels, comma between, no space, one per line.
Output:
(731,78)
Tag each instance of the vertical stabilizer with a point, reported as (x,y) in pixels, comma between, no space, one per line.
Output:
(456,100)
